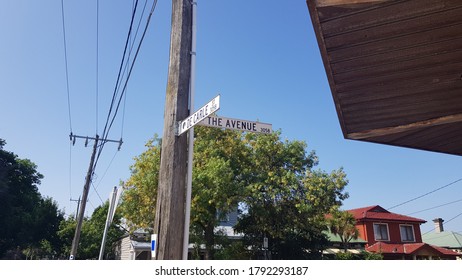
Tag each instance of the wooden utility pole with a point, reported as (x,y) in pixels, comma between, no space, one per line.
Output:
(170,208)
(86,188)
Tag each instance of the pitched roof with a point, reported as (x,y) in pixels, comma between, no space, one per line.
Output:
(377,212)
(447,239)
(408,249)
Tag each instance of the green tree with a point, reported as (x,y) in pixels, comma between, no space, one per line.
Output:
(220,175)
(91,234)
(138,204)
(272,181)
(343,224)
(286,200)
(28,220)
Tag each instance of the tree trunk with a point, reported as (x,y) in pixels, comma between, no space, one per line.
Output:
(209,237)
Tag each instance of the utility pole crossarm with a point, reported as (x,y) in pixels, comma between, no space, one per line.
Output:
(86,188)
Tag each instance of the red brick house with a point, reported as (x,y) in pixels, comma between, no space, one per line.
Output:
(395,236)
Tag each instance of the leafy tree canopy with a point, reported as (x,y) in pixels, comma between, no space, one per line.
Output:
(287,200)
(29,221)
(91,234)
(272,182)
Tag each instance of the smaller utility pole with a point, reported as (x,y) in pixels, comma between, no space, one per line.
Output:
(86,189)
(78,204)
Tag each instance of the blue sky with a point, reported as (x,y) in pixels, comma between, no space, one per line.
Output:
(261,56)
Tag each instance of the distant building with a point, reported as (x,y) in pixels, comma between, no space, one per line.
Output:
(445,239)
(135,246)
(355,246)
(396,236)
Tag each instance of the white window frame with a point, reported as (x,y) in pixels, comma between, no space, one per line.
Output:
(388,232)
(401,233)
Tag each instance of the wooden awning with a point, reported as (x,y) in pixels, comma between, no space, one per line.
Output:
(394,69)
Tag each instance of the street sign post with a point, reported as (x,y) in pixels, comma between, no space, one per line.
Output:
(209,108)
(237,124)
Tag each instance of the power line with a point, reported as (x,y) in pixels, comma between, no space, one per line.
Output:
(134,60)
(97,60)
(104,174)
(65,60)
(114,95)
(430,192)
(434,207)
(132,43)
(109,125)
(120,70)
(97,193)
(445,222)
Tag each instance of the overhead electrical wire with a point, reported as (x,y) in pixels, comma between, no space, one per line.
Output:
(68,96)
(132,43)
(126,65)
(434,207)
(65,62)
(133,62)
(425,194)
(125,70)
(108,124)
(106,129)
(96,191)
(120,71)
(445,222)
(97,62)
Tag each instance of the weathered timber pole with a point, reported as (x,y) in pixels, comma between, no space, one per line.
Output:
(170,208)
(83,202)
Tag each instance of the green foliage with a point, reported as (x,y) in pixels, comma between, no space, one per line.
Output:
(282,197)
(91,234)
(343,224)
(286,200)
(139,198)
(371,256)
(28,220)
(346,256)
(220,174)
(364,255)
(232,250)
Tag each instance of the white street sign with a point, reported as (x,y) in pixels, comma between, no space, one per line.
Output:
(199,115)
(236,124)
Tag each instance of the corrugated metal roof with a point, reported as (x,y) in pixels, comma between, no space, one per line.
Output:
(336,238)
(447,239)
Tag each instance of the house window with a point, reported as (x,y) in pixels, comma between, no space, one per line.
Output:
(407,233)
(381,232)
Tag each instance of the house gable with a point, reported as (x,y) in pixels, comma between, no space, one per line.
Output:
(395,236)
(378,224)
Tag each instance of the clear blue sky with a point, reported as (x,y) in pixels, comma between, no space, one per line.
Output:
(261,56)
